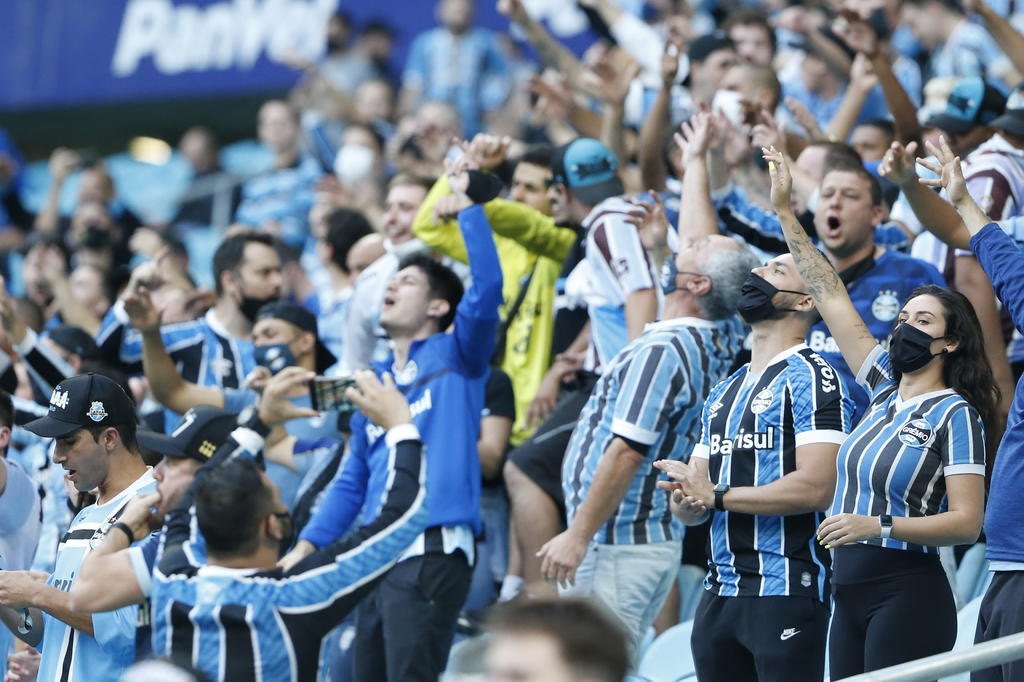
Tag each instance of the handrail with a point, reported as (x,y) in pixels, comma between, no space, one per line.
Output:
(978,657)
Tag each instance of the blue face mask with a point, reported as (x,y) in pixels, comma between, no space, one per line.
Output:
(274,356)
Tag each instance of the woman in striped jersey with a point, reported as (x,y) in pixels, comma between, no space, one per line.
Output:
(910,478)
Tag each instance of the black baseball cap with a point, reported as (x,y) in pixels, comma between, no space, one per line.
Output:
(1012,120)
(81,401)
(202,430)
(303,319)
(75,340)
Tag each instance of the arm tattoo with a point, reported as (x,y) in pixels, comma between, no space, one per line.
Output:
(821,278)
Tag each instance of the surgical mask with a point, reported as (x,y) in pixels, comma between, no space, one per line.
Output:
(274,356)
(910,349)
(755,304)
(730,103)
(354,163)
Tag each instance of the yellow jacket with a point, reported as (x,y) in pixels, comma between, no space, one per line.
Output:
(527,241)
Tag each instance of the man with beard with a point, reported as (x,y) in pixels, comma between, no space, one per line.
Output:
(215,350)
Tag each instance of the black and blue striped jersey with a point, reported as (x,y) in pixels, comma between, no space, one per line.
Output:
(897,459)
(249,624)
(752,427)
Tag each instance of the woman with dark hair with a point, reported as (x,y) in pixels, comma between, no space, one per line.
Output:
(910,477)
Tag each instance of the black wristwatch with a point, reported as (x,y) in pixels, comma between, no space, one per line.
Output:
(720,490)
(249,418)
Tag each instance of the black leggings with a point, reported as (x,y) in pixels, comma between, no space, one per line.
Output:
(889,621)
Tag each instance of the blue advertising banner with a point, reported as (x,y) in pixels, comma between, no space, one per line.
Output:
(73,52)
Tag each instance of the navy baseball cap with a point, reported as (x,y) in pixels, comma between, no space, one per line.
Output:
(81,401)
(587,168)
(1012,120)
(304,320)
(201,431)
(75,340)
(973,103)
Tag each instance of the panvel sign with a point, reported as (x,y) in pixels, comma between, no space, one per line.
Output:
(65,52)
(72,52)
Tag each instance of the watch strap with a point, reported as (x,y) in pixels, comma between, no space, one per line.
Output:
(885,521)
(720,499)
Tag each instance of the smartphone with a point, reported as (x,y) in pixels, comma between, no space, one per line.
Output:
(328,393)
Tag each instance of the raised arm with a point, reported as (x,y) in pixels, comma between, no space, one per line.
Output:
(654,130)
(167,384)
(862,81)
(550,50)
(697,215)
(858,34)
(951,178)
(830,296)
(1009,38)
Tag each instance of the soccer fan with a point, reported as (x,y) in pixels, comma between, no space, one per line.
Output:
(849,208)
(92,421)
(215,350)
(238,615)
(405,626)
(363,342)
(284,335)
(765,468)
(278,201)
(532,249)
(622,545)
(911,476)
(555,640)
(618,284)
(997,249)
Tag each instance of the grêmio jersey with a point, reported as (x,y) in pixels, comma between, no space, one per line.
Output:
(752,427)
(67,654)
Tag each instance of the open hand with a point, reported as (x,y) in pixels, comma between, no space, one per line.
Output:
(782,180)
(275,408)
(897,164)
(949,170)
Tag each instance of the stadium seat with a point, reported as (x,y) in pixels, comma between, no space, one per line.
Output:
(691,587)
(669,658)
(970,572)
(246,158)
(966,624)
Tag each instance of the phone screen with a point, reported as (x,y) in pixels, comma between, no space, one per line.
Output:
(328,394)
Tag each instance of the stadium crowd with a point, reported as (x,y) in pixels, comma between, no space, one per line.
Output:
(719,323)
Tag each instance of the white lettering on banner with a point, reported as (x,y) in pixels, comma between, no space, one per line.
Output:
(743,441)
(219,36)
(424,404)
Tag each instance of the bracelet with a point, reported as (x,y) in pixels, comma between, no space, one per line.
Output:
(124,528)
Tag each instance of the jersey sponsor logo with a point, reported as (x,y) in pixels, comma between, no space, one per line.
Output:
(97,412)
(59,398)
(828,375)
(916,433)
(805,579)
(757,440)
(762,401)
(886,306)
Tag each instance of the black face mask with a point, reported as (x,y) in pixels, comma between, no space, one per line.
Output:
(910,349)
(250,306)
(755,304)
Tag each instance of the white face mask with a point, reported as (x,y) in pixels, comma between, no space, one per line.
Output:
(730,103)
(354,163)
